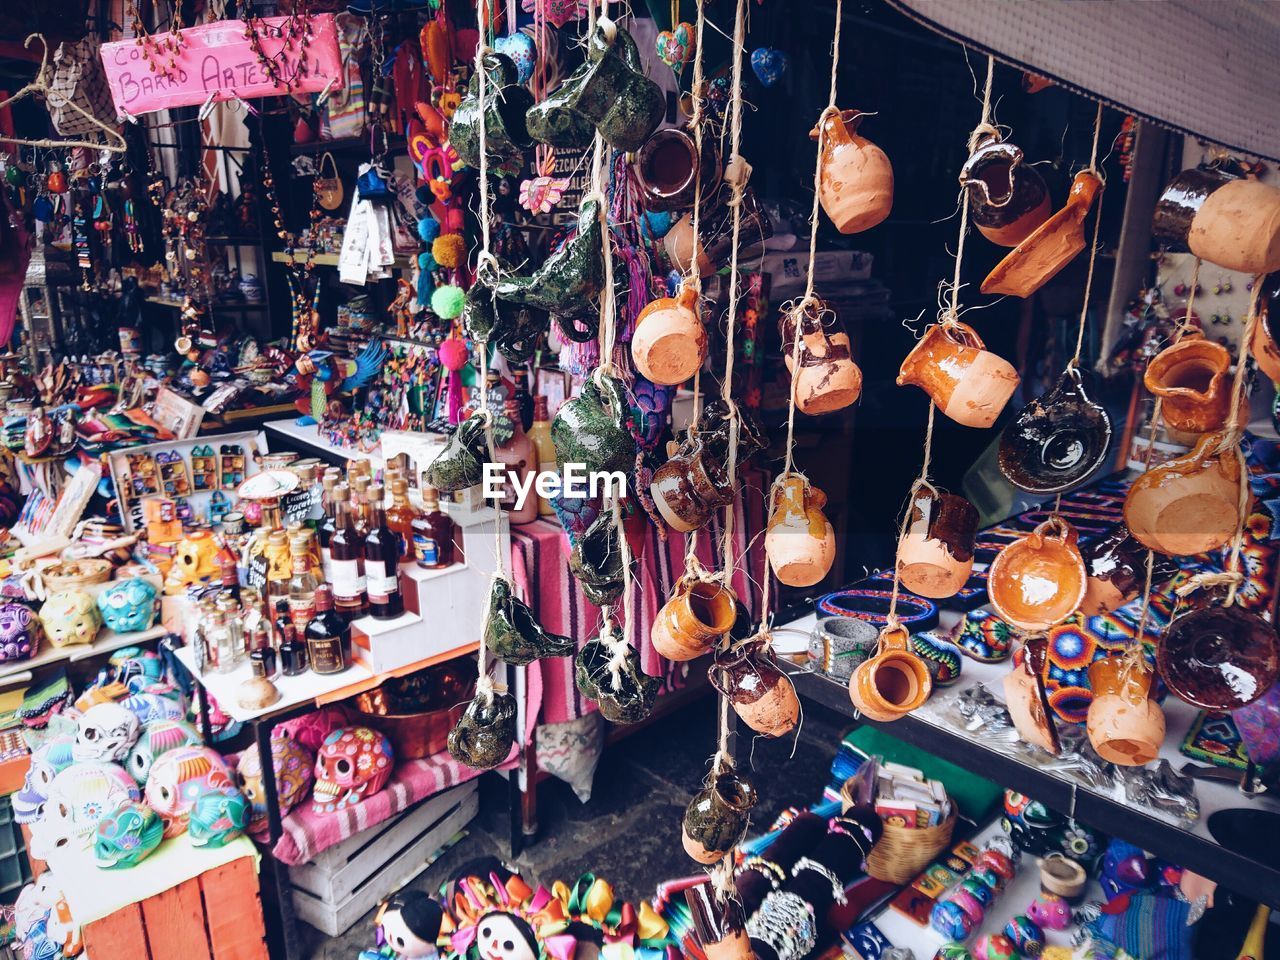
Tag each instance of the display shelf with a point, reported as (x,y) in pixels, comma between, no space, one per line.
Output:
(309,436)
(107,641)
(327,259)
(230,306)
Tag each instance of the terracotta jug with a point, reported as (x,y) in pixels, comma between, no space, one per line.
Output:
(1007,197)
(1055,243)
(1187,505)
(827,378)
(800,541)
(1038,580)
(690,624)
(892,683)
(1124,724)
(1025,698)
(669,342)
(715,226)
(935,554)
(1193,380)
(761,695)
(719,923)
(856,180)
(969,384)
(1265,345)
(1226,220)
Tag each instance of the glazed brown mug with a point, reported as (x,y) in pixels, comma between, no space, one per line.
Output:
(827,378)
(670,342)
(893,682)
(668,168)
(1007,198)
(968,383)
(855,184)
(692,622)
(1115,566)
(935,554)
(716,818)
(1231,221)
(715,226)
(1124,724)
(1038,580)
(761,695)
(1026,701)
(799,541)
(689,488)
(720,924)
(1192,378)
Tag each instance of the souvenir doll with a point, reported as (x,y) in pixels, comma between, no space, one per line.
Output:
(408,925)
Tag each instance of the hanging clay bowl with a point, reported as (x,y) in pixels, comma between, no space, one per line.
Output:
(855,184)
(1038,580)
(827,378)
(761,695)
(1192,380)
(716,818)
(692,622)
(1058,439)
(1007,198)
(1219,658)
(668,169)
(1055,243)
(800,541)
(1265,345)
(1187,505)
(1124,725)
(1226,220)
(968,383)
(935,554)
(1026,700)
(893,682)
(670,342)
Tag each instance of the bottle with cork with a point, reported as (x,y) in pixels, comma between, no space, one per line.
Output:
(434,534)
(346,560)
(540,434)
(382,562)
(360,503)
(400,516)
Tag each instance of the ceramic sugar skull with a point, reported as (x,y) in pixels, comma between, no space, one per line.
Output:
(353,763)
(504,936)
(152,706)
(177,778)
(128,606)
(218,816)
(106,731)
(79,797)
(70,616)
(19,631)
(157,738)
(127,835)
(195,560)
(294,769)
(409,924)
(47,761)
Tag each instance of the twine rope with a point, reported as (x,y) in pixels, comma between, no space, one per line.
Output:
(1093,247)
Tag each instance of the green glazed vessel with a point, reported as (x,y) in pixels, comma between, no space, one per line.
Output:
(486,731)
(591,428)
(631,700)
(506,135)
(460,464)
(513,635)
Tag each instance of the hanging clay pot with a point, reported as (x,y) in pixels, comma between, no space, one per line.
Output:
(668,168)
(1192,380)
(968,383)
(503,115)
(670,342)
(761,695)
(1058,439)
(720,924)
(1055,243)
(1187,505)
(1219,658)
(591,429)
(513,635)
(1116,567)
(715,229)
(856,178)
(1007,198)
(716,819)
(1226,220)
(827,378)
(935,554)
(1265,345)
(622,690)
(1125,725)
(458,464)
(1038,580)
(692,622)
(485,732)
(800,541)
(893,682)
(1026,700)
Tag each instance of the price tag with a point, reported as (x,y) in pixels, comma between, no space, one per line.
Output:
(298,504)
(256,574)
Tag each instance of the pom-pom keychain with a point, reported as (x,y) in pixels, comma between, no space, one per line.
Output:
(450,250)
(446,302)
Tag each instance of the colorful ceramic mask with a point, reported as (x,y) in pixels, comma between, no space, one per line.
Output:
(353,763)
(46,763)
(79,797)
(158,737)
(177,778)
(152,706)
(127,836)
(218,816)
(106,731)
(294,769)
(128,606)
(70,616)
(19,632)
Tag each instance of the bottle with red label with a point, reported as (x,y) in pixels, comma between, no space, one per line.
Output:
(381,561)
(346,559)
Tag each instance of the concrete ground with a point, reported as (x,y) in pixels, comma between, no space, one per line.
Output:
(629,832)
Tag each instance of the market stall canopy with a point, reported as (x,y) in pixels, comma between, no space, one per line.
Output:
(1204,69)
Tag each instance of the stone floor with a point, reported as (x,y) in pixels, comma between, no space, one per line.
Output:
(628,832)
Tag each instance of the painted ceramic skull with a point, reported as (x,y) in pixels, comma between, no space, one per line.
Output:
(70,616)
(106,731)
(79,797)
(177,778)
(353,763)
(158,737)
(293,764)
(218,816)
(127,835)
(19,631)
(195,560)
(152,706)
(128,606)
(47,762)
(502,936)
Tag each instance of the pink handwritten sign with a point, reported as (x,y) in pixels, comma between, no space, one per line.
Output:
(217,58)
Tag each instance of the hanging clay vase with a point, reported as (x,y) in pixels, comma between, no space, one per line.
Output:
(1219,658)
(1187,505)
(1192,380)
(591,429)
(1226,220)
(716,818)
(1125,725)
(503,115)
(1026,700)
(1058,439)
(1116,567)
(720,924)
(1265,345)
(856,178)
(1055,243)
(761,695)
(968,383)
(621,689)
(827,378)
(1038,580)
(668,168)
(893,682)
(1007,198)
(800,541)
(670,342)
(692,622)
(485,732)
(935,554)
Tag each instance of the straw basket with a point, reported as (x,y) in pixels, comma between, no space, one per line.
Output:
(903,852)
(76,574)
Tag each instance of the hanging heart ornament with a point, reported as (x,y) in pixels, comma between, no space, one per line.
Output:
(769,64)
(675,46)
(522,51)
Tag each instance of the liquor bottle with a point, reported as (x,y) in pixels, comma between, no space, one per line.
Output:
(382,561)
(259,638)
(252,615)
(280,624)
(540,434)
(229,607)
(519,456)
(312,483)
(521,395)
(360,503)
(279,568)
(256,550)
(332,477)
(302,591)
(218,639)
(433,533)
(400,517)
(229,576)
(328,635)
(346,560)
(293,651)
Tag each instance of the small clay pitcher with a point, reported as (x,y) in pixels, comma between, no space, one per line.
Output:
(761,695)
(1116,567)
(1058,439)
(935,554)
(513,635)
(715,225)
(1226,220)
(856,178)
(626,695)
(1007,198)
(1025,698)
(827,378)
(688,488)
(503,116)
(458,465)
(800,541)
(721,926)
(1187,505)
(968,383)
(1219,658)
(590,429)
(670,342)
(1265,345)
(892,683)
(716,819)
(1124,724)
(1038,580)
(485,732)
(692,622)
(596,561)
(1192,379)
(668,168)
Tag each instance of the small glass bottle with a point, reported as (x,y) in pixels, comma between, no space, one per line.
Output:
(332,477)
(400,516)
(252,615)
(280,623)
(229,608)
(433,533)
(382,562)
(279,568)
(219,641)
(540,434)
(360,504)
(346,560)
(302,592)
(521,395)
(229,575)
(293,652)
(260,637)
(328,636)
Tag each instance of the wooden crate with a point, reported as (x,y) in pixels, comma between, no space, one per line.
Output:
(348,880)
(215,916)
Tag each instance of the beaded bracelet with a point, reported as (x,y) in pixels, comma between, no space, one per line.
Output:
(766,868)
(808,863)
(787,923)
(854,831)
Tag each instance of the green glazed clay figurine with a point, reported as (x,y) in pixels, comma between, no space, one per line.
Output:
(626,695)
(513,635)
(512,328)
(591,428)
(460,464)
(504,115)
(486,731)
(596,561)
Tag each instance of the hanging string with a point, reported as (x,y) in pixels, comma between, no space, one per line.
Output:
(1093,247)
